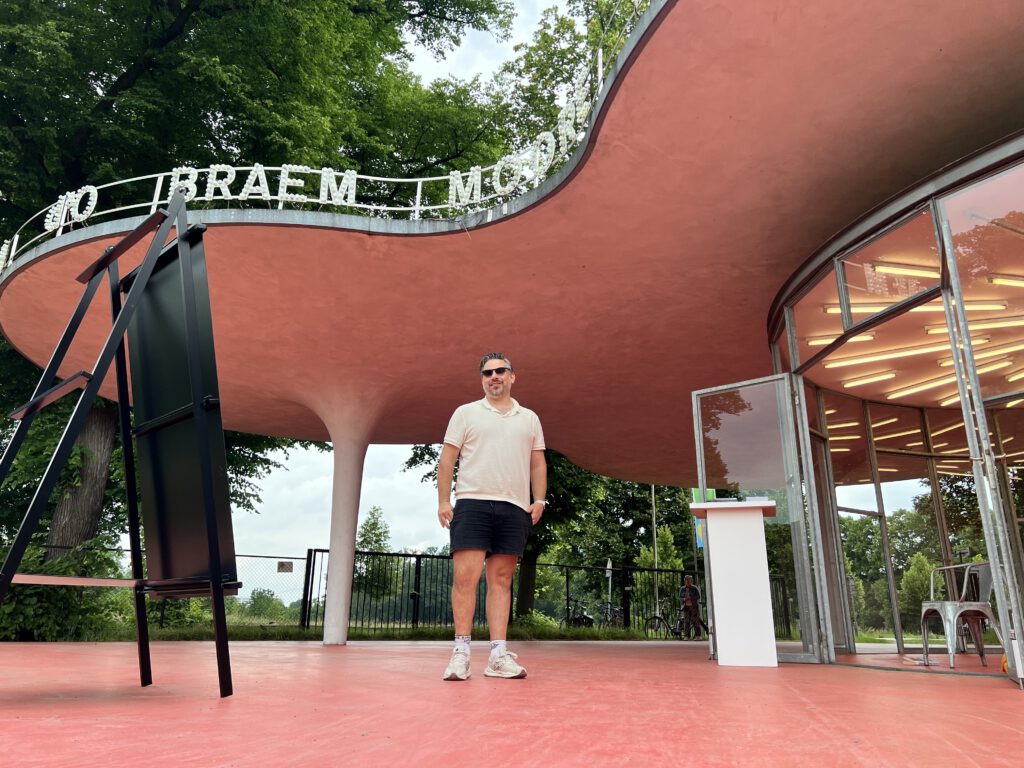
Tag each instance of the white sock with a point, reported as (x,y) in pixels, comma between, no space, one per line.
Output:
(497,648)
(462,643)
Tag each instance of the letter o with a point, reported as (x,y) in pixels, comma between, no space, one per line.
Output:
(88,191)
(515,165)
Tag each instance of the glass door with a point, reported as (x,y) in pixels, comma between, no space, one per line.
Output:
(752,441)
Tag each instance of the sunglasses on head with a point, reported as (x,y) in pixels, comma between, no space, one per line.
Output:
(490,372)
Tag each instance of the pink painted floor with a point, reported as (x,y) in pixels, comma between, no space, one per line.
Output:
(587,704)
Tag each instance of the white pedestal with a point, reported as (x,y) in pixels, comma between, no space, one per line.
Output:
(738,565)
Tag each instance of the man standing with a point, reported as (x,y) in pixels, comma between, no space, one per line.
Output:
(500,448)
(689,598)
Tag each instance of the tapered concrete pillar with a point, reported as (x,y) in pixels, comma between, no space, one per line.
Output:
(348,436)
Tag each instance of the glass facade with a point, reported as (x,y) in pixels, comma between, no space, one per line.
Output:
(907,349)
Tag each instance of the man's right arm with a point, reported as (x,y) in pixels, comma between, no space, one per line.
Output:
(445,474)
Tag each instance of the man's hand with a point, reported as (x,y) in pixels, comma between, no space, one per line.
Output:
(536,510)
(445,513)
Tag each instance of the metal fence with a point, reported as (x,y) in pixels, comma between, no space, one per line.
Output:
(395,590)
(408,590)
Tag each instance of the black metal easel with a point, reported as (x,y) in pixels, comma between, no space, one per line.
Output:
(177,574)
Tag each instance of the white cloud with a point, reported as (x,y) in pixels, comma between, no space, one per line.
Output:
(296,511)
(481,53)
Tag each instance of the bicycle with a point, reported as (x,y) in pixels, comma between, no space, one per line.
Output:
(657,627)
(577,615)
(611,616)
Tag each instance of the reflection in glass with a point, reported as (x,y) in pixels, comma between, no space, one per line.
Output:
(744,454)
(895,266)
(742,439)
(815,328)
(986,221)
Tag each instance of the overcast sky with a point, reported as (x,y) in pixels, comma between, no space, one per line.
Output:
(296,511)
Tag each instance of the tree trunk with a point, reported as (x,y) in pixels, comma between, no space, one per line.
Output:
(527,581)
(77,516)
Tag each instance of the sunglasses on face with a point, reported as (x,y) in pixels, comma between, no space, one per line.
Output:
(500,371)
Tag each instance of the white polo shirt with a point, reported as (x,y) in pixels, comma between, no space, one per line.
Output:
(494,451)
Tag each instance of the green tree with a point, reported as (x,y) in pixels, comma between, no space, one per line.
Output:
(374,534)
(862,544)
(915,589)
(910,533)
(877,612)
(589,519)
(371,572)
(263,604)
(91,92)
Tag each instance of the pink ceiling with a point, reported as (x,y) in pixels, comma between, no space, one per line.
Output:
(742,136)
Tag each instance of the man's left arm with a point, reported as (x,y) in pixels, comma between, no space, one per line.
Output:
(538,483)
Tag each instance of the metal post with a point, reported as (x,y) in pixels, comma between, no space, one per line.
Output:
(131,490)
(654,522)
(416,592)
(220,628)
(307,580)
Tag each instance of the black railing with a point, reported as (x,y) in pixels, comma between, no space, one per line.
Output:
(408,590)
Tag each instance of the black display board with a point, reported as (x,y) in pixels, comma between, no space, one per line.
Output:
(167,431)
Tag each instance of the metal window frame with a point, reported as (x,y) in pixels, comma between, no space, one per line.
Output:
(814,623)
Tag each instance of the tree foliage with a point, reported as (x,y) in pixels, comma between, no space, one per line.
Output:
(374,534)
(92,92)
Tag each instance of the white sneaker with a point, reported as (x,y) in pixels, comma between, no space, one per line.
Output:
(505,666)
(458,666)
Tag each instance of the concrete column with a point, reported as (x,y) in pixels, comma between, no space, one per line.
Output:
(349,430)
(348,478)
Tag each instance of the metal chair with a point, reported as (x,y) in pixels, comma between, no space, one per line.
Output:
(972,606)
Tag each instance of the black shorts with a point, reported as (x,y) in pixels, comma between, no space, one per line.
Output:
(497,527)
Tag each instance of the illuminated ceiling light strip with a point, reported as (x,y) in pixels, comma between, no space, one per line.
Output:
(897,352)
(939,445)
(980,325)
(883,422)
(1016,375)
(1013,403)
(869,379)
(1008,439)
(993,352)
(910,270)
(932,383)
(949,401)
(958,474)
(1015,281)
(830,411)
(980,306)
(944,430)
(1015,453)
(915,445)
(872,309)
(921,387)
(888,469)
(839,450)
(898,434)
(833,438)
(844,425)
(824,341)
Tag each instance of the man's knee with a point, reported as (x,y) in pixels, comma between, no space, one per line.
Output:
(467,567)
(500,569)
